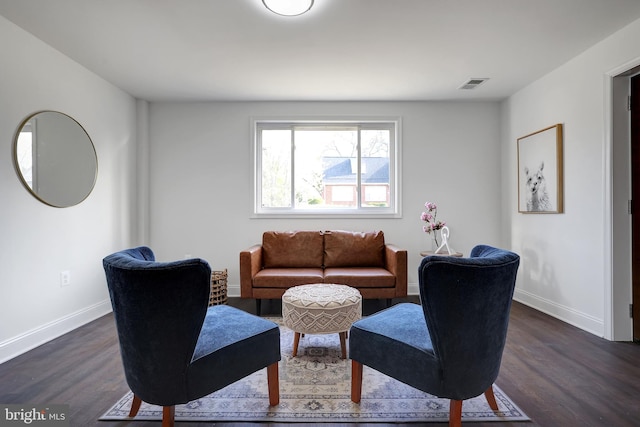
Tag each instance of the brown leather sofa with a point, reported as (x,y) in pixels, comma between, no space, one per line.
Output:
(289,258)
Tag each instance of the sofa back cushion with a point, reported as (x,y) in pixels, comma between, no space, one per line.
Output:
(353,249)
(295,249)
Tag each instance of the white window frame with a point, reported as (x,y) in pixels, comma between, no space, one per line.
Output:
(392,211)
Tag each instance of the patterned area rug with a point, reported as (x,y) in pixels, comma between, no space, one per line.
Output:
(315,386)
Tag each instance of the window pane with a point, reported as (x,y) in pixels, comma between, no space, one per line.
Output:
(323,160)
(375,167)
(276,168)
(376,194)
(342,194)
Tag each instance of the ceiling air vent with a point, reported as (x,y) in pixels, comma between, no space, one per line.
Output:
(473,83)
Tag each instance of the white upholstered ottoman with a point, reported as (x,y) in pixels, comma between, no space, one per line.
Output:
(321,308)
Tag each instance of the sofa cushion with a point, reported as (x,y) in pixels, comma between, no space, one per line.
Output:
(294,249)
(353,249)
(360,277)
(287,277)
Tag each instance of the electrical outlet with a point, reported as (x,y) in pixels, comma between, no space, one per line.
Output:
(65,278)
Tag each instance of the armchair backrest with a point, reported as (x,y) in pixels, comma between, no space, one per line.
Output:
(466,303)
(159,309)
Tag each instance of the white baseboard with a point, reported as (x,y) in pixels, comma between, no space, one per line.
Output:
(29,340)
(413,289)
(566,314)
(233,290)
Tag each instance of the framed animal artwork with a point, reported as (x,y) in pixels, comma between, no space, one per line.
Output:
(540,179)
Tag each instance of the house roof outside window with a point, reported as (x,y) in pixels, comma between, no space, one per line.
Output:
(342,170)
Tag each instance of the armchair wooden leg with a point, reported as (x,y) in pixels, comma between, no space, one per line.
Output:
(273,383)
(135,406)
(491,398)
(455,413)
(356,381)
(168,414)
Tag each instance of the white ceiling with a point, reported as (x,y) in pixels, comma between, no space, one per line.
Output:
(162,50)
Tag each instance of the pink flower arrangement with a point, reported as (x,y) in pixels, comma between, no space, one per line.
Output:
(432,224)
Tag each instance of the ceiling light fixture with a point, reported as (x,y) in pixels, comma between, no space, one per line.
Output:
(288,7)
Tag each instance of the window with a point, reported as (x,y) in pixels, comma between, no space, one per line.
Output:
(326,167)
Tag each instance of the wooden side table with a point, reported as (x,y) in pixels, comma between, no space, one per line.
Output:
(427,253)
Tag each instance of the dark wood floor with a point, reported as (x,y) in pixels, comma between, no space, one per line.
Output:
(559,375)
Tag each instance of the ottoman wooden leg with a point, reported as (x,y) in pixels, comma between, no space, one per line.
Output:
(296,341)
(343,344)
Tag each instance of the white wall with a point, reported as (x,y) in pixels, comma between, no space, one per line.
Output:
(39,241)
(200,174)
(566,258)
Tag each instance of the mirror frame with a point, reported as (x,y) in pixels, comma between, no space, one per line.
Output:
(19,171)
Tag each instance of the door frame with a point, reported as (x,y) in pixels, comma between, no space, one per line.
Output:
(618,325)
(634,162)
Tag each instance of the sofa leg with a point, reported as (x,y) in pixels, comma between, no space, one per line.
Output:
(258,306)
(389,301)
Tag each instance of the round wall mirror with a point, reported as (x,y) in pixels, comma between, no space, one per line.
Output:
(55,158)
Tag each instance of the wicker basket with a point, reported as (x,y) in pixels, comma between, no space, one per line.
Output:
(218,288)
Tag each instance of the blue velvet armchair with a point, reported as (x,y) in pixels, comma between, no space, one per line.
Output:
(451,344)
(174,347)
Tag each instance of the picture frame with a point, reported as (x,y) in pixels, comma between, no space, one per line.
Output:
(540,172)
